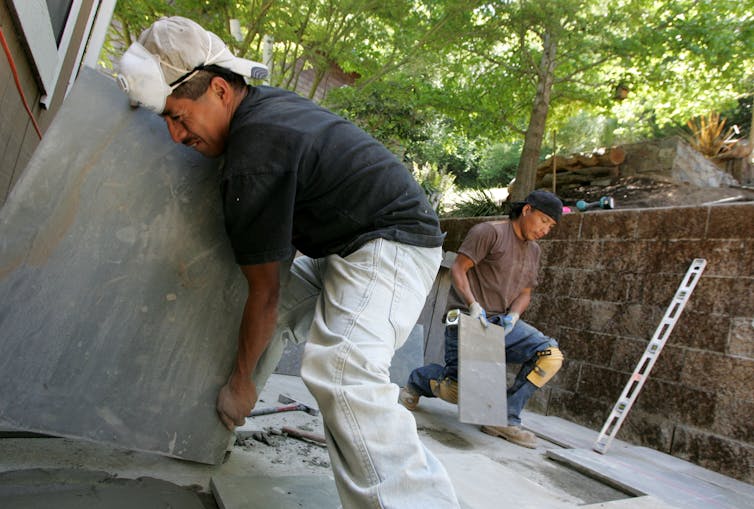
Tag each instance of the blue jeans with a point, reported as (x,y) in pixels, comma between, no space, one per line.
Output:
(354,312)
(521,347)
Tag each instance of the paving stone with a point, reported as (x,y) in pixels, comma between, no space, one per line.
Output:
(628,468)
(286,492)
(559,431)
(644,502)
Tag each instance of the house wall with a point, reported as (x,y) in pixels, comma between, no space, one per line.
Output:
(334,78)
(17,136)
(18,139)
(606,280)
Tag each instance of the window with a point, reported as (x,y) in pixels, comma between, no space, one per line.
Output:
(58,10)
(47,26)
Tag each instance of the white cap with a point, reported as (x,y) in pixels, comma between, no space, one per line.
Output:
(168,53)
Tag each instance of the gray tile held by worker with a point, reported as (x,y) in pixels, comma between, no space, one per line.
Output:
(119,296)
(481,373)
(85,489)
(286,492)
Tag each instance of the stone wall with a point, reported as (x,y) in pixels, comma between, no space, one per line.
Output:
(606,280)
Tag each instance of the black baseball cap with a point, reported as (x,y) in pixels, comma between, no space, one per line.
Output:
(546,203)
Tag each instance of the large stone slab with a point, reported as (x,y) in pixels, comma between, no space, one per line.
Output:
(481,373)
(119,297)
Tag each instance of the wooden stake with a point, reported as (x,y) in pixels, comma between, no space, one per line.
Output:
(554,164)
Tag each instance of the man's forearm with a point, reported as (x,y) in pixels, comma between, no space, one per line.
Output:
(257,327)
(466,293)
(238,396)
(259,316)
(460,278)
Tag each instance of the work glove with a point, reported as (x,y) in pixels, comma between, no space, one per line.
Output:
(477,311)
(509,321)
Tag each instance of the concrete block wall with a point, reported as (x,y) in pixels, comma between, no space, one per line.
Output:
(606,280)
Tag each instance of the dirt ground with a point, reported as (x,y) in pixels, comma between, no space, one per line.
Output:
(637,192)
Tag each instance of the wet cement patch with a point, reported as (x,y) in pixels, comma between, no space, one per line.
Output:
(587,489)
(447,438)
(86,489)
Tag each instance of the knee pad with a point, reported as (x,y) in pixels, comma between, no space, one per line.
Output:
(547,364)
(445,389)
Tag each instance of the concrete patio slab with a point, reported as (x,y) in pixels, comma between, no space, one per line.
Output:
(481,467)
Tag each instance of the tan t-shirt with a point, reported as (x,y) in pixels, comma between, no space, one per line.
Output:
(504,265)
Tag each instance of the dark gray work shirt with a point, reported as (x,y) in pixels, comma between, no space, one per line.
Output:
(297,175)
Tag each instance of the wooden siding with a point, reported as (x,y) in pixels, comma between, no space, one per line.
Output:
(18,138)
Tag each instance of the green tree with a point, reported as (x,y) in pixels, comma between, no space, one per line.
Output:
(387,110)
(445,79)
(372,38)
(499,162)
(533,64)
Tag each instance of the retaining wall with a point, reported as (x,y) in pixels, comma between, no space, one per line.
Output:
(606,280)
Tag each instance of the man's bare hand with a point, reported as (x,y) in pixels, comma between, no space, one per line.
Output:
(235,401)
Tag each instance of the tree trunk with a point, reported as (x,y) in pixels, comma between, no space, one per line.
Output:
(527,167)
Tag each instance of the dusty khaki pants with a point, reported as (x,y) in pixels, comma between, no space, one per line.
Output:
(354,312)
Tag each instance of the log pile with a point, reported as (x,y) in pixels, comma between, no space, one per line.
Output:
(736,161)
(598,168)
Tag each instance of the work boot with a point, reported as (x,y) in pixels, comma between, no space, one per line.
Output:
(446,389)
(408,398)
(515,434)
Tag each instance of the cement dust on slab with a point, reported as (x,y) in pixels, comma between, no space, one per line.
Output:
(263,438)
